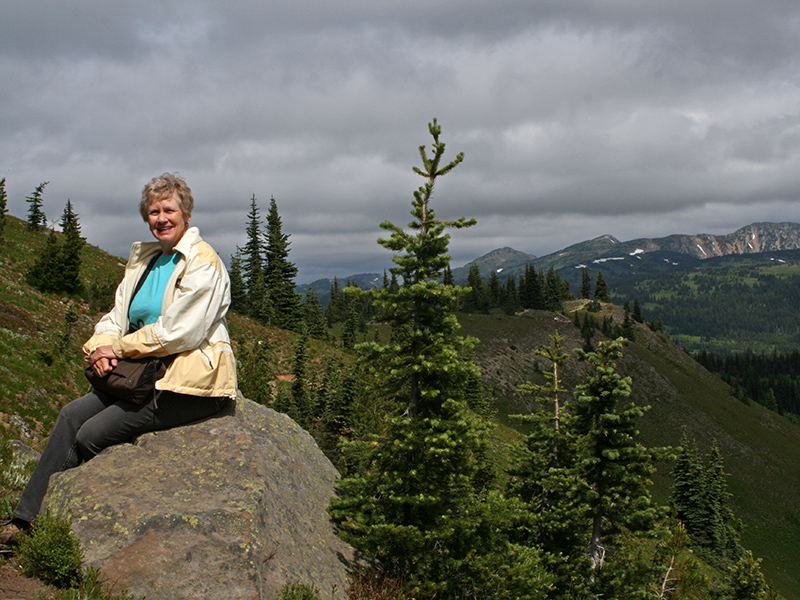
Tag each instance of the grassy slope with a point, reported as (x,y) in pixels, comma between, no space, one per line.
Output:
(39,373)
(760,448)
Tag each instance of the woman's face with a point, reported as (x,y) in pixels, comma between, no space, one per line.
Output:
(167,222)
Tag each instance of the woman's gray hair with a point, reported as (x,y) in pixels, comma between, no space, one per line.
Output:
(163,186)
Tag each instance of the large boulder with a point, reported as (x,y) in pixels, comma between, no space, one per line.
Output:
(233,507)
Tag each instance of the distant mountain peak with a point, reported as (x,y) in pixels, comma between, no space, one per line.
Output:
(606,238)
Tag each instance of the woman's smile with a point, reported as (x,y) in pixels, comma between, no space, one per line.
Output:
(167,222)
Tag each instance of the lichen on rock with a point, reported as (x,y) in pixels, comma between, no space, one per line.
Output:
(231,507)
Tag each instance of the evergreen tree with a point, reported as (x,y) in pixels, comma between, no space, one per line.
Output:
(475,298)
(258,304)
(70,318)
(587,333)
(36,217)
(336,310)
(542,477)
(350,326)
(301,395)
(746,581)
(314,316)
(726,542)
(69,276)
(511,302)
(637,311)
(601,288)
(613,465)
(332,404)
(279,273)
(394,286)
(413,502)
(58,267)
(238,286)
(553,293)
(45,273)
(688,475)
(3,206)
(700,497)
(254,372)
(447,278)
(493,290)
(628,331)
(586,284)
(530,289)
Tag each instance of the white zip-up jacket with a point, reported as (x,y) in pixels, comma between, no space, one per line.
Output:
(192,324)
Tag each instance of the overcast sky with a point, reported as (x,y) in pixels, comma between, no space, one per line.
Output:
(578,118)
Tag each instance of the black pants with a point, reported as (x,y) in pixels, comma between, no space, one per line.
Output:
(96,421)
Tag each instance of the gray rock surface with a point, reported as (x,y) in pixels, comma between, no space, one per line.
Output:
(231,508)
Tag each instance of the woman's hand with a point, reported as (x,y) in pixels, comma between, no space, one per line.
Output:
(103,360)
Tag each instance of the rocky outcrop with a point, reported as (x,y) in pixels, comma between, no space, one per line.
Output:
(752,239)
(231,508)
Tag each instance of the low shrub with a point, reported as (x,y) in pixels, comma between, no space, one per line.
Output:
(51,552)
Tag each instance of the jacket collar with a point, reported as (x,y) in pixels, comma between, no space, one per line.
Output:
(142,250)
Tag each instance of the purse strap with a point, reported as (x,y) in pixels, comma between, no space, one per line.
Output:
(142,279)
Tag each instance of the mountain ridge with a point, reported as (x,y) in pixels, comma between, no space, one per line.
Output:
(754,238)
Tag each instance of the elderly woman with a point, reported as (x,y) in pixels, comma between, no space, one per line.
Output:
(171,303)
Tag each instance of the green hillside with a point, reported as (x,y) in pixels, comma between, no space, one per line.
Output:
(43,370)
(761,449)
(724,305)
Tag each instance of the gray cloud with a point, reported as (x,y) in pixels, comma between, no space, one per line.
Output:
(577,119)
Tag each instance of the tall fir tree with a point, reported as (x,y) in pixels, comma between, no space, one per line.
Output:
(238,286)
(688,475)
(448,278)
(336,309)
(601,288)
(314,316)
(279,273)
(637,311)
(413,503)
(553,293)
(475,298)
(544,478)
(493,289)
(511,302)
(3,206)
(586,284)
(350,327)
(258,304)
(301,388)
(701,499)
(628,329)
(728,542)
(530,289)
(614,466)
(36,217)
(70,252)
(45,273)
